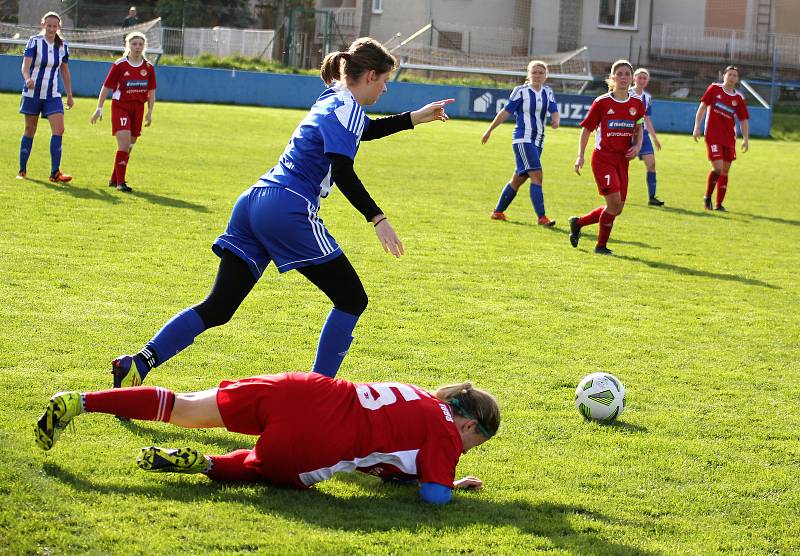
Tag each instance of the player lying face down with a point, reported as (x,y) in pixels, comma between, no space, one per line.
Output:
(395,431)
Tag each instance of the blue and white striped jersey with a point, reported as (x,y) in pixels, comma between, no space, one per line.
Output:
(647,100)
(47,60)
(333,126)
(531,109)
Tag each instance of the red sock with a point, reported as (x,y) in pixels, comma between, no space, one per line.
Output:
(722,188)
(231,467)
(591,217)
(606,223)
(712,181)
(146,403)
(120,165)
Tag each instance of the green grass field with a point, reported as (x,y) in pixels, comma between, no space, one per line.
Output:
(697,314)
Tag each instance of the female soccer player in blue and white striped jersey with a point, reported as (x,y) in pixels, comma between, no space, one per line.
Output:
(641,77)
(276,220)
(531,103)
(46,54)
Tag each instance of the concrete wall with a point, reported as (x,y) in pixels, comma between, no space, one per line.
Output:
(183,84)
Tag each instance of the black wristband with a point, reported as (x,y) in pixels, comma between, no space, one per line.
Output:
(379,221)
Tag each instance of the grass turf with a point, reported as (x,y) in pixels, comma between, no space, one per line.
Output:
(697,314)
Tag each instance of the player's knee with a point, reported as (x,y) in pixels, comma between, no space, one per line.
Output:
(355,305)
(214,314)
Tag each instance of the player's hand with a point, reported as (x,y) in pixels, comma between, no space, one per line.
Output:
(579,164)
(657,144)
(431,112)
(98,115)
(555,121)
(29,83)
(70,102)
(468,483)
(696,134)
(631,153)
(388,238)
(486,136)
(148,119)
(745,145)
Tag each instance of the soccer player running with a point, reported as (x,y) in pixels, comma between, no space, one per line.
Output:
(132,79)
(309,427)
(641,77)
(531,103)
(616,118)
(46,56)
(725,103)
(277,218)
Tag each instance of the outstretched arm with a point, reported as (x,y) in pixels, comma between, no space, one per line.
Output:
(501,117)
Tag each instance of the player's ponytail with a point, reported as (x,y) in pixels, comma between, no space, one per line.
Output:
(472,403)
(363,55)
(59,40)
(611,82)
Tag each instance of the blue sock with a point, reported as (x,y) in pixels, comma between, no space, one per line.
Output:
(334,341)
(651,183)
(537,197)
(506,197)
(55,153)
(25,147)
(174,337)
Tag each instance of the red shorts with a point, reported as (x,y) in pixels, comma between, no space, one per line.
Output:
(721,152)
(268,406)
(610,173)
(127,116)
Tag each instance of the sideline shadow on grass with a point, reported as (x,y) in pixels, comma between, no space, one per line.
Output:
(79,192)
(701,273)
(167,201)
(384,508)
(218,436)
(593,237)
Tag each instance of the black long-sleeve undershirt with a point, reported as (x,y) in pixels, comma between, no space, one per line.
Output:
(344,175)
(382,127)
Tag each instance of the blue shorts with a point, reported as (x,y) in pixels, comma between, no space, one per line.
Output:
(527,156)
(272,223)
(647,146)
(44,106)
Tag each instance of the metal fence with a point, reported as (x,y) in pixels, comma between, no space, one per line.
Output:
(218,41)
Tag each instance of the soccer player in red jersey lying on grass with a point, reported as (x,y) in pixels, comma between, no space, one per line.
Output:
(309,426)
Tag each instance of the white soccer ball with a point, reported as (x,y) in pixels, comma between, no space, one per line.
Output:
(600,397)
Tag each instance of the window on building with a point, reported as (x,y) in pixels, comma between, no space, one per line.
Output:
(377,6)
(618,14)
(450,39)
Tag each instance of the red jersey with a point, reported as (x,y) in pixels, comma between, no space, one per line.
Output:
(722,107)
(615,122)
(129,82)
(312,427)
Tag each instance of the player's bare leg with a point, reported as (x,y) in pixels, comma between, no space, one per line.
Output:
(197,410)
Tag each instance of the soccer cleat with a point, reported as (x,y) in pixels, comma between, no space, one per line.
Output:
(574,230)
(707,203)
(721,208)
(172,460)
(22,175)
(58,177)
(124,187)
(544,221)
(655,202)
(603,250)
(125,372)
(498,215)
(61,409)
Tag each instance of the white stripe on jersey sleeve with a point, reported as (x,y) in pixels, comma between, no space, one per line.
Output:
(405,461)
